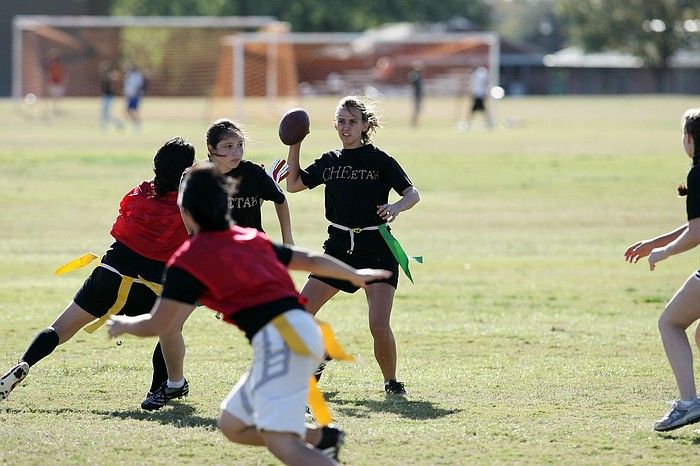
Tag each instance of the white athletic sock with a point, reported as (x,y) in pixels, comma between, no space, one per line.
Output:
(177,384)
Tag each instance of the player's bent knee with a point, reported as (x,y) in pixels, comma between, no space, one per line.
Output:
(231,426)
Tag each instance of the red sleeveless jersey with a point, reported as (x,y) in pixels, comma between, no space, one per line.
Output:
(238,269)
(148,224)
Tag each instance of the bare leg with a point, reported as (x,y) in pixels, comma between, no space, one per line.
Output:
(72,319)
(317,294)
(291,450)
(236,431)
(380,298)
(680,312)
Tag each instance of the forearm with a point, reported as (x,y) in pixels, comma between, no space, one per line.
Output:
(293,180)
(140,326)
(410,198)
(320,264)
(663,240)
(285,222)
(685,241)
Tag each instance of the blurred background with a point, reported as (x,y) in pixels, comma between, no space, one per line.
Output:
(282,48)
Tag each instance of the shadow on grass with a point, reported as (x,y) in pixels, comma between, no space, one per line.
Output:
(175,414)
(411,409)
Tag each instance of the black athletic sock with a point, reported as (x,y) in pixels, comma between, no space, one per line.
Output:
(43,344)
(160,370)
(329,437)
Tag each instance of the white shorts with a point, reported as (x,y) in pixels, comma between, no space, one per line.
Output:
(272,395)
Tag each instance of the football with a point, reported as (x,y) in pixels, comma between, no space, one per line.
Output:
(294,126)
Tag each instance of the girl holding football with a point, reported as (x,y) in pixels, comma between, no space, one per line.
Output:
(358,178)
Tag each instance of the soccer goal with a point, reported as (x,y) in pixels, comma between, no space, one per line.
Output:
(284,65)
(178,55)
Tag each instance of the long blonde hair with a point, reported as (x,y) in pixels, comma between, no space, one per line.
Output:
(368,112)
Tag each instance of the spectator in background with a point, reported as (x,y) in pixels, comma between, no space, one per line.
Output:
(415,78)
(109,80)
(56,80)
(134,87)
(478,89)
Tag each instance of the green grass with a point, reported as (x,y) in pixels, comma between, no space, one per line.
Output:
(525,340)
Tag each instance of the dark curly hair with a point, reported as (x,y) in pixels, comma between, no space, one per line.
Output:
(222,128)
(206,194)
(169,163)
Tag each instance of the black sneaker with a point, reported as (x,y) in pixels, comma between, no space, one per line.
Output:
(160,397)
(12,377)
(332,439)
(392,387)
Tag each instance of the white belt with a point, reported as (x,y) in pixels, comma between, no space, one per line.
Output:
(352,232)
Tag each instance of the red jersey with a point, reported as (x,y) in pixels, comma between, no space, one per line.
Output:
(238,269)
(148,224)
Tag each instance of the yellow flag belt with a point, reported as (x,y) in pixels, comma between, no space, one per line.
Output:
(122,293)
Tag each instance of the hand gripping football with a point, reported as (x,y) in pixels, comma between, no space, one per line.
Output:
(294,126)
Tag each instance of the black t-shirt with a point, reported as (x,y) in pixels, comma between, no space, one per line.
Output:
(254,187)
(692,202)
(181,286)
(357,181)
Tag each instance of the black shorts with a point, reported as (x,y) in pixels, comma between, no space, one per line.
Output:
(377,257)
(99,292)
(478,104)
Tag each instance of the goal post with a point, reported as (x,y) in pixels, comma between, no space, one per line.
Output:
(179,54)
(274,65)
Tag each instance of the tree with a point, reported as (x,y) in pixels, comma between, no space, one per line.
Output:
(652,30)
(315,15)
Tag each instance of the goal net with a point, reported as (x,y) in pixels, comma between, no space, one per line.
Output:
(294,65)
(178,55)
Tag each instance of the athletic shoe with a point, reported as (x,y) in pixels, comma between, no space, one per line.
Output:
(332,439)
(682,414)
(392,387)
(160,397)
(12,377)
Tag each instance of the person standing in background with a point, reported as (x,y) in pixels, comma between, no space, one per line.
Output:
(109,79)
(134,87)
(478,89)
(415,78)
(56,80)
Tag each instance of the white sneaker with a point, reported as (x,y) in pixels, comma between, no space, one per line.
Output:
(682,414)
(11,378)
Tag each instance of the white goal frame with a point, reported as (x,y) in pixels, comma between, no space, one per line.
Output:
(238,42)
(23,23)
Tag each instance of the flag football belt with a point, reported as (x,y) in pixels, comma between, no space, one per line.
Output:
(316,401)
(394,246)
(122,293)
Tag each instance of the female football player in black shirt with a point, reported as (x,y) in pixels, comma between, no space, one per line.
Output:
(357,181)
(684,308)
(226,144)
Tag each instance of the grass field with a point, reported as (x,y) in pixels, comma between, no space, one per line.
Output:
(525,340)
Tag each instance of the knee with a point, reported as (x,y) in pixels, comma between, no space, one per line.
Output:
(379,328)
(230,426)
(280,445)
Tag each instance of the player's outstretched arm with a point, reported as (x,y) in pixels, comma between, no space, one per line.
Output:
(285,220)
(327,266)
(643,248)
(686,241)
(166,316)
